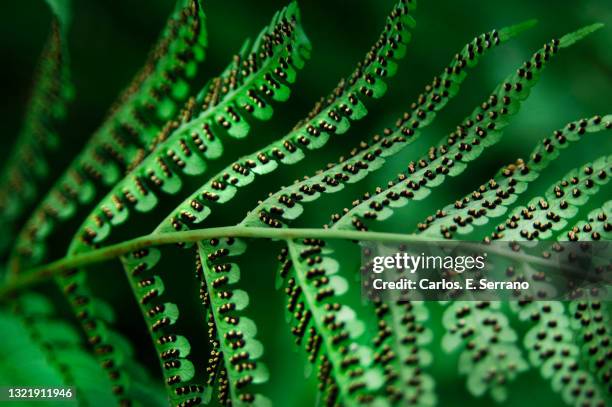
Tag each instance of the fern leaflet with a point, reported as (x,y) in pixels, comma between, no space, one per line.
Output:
(28,170)
(130,126)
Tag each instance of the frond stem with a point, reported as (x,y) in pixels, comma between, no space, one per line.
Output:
(37,275)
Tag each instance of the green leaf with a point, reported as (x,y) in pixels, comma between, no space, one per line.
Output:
(489,356)
(119,141)
(493,199)
(483,128)
(186,146)
(234,333)
(29,169)
(370,156)
(332,116)
(286,204)
(325,327)
(160,316)
(544,217)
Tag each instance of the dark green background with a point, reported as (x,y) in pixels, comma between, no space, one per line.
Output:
(109,41)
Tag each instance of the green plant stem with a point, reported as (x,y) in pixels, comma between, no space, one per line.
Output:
(27,278)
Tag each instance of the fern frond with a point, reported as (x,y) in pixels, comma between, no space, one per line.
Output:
(326,328)
(131,124)
(285,205)
(591,321)
(551,346)
(63,352)
(24,361)
(233,333)
(597,227)
(60,345)
(161,146)
(400,344)
(216,372)
(489,355)
(550,341)
(388,49)
(29,169)
(478,379)
(172,349)
(157,92)
(492,199)
(590,317)
(400,350)
(483,128)
(451,159)
(331,116)
(545,216)
(257,77)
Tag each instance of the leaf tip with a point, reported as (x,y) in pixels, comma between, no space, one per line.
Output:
(525,25)
(514,30)
(571,38)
